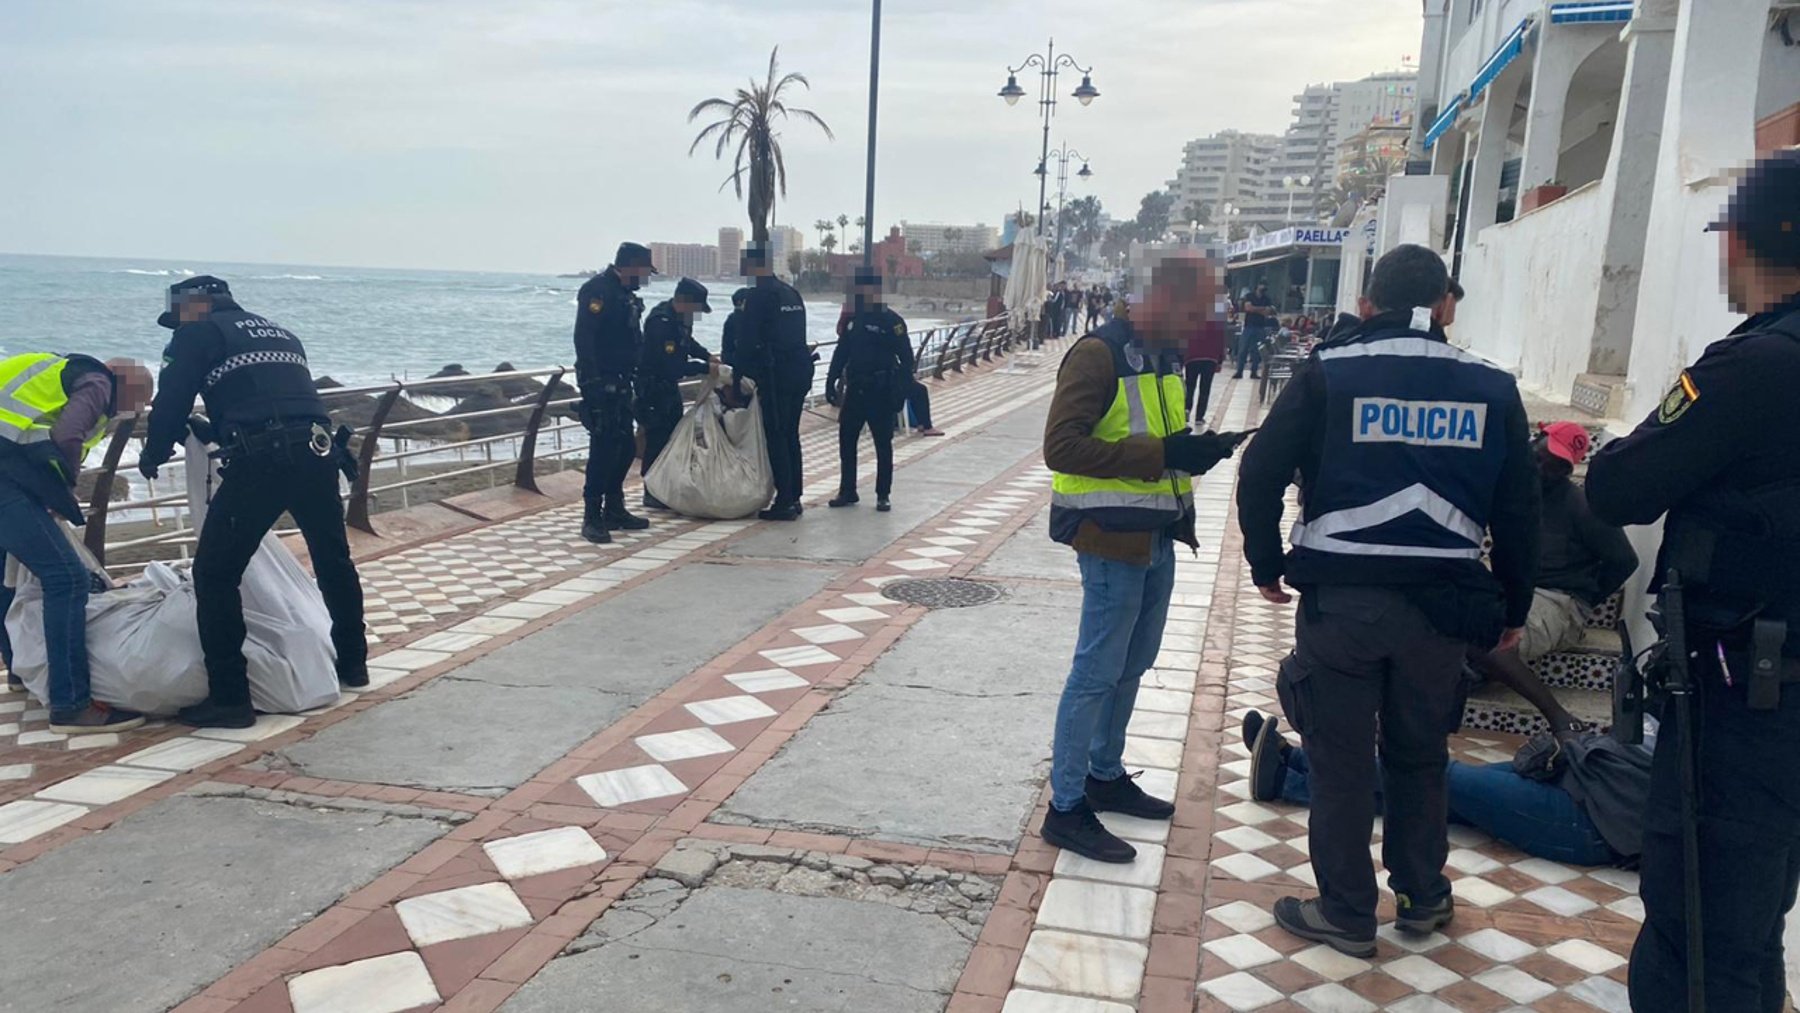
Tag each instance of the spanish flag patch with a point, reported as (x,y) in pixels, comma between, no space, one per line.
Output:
(1680,398)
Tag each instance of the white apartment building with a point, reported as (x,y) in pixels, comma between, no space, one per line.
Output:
(686,260)
(784,242)
(928,239)
(731,250)
(1230,167)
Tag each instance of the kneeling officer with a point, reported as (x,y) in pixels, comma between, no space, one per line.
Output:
(670,355)
(870,373)
(280,456)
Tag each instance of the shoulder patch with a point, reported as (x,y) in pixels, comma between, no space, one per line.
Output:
(1680,398)
(596,305)
(900,329)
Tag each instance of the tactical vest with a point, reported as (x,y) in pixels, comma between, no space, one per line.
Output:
(1413,451)
(261,376)
(1149,402)
(32,397)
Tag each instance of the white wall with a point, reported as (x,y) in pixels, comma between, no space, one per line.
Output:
(1531,292)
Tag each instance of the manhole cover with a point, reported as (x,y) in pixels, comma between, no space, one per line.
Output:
(943,594)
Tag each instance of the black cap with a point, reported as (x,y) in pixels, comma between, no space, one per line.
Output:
(1765,208)
(200,284)
(634,255)
(693,291)
(867,276)
(756,253)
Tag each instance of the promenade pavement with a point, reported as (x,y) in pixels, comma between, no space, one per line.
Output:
(717,767)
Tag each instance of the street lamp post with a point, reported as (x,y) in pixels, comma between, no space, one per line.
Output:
(1292,184)
(1062,156)
(1050,62)
(874,84)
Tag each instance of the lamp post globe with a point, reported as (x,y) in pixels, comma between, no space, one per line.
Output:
(1012,93)
(1086,93)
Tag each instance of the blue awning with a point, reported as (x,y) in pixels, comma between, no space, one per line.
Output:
(1442,123)
(1508,51)
(1590,11)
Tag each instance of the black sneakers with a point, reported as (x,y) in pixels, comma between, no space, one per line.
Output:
(882,505)
(354,676)
(596,532)
(95,717)
(1079,831)
(844,499)
(207,714)
(781,512)
(624,520)
(1304,919)
(1268,759)
(1122,795)
(1421,920)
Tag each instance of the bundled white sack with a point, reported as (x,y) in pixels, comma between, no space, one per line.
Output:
(716,465)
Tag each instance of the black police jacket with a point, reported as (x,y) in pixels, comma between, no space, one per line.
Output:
(608,332)
(771,341)
(1721,457)
(250,371)
(874,352)
(670,352)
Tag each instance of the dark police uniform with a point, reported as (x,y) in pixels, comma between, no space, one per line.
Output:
(871,372)
(1410,451)
(272,426)
(608,342)
(670,356)
(1721,457)
(773,351)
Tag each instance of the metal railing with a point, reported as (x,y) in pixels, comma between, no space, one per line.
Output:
(546,414)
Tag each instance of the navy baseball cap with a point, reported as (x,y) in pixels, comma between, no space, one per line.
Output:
(1765,208)
(202,284)
(693,291)
(634,255)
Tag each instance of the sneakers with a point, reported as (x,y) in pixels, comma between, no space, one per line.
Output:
(207,714)
(623,520)
(95,717)
(1419,920)
(596,532)
(1122,795)
(844,499)
(1304,919)
(353,676)
(781,512)
(1253,722)
(1268,752)
(931,431)
(1079,831)
(882,505)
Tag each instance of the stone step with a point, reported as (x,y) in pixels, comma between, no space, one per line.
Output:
(1590,666)
(1494,708)
(1599,395)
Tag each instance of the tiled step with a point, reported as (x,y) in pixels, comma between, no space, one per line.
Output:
(1494,708)
(1589,666)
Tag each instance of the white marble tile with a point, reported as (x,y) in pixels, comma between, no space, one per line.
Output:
(1241,990)
(631,784)
(1102,909)
(860,614)
(1145,871)
(450,643)
(951,542)
(1132,828)
(1422,1004)
(521,610)
(398,981)
(766,681)
(184,753)
(1545,871)
(40,738)
(1022,1000)
(936,552)
(380,677)
(461,913)
(1249,813)
(1421,972)
(1242,916)
(730,709)
(1557,900)
(1514,984)
(1586,956)
(683,745)
(105,785)
(835,633)
(408,659)
(103,740)
(1163,754)
(1411,942)
(1472,862)
(1167,701)
(1156,725)
(1618,879)
(1328,963)
(1247,838)
(1242,951)
(917,565)
(1332,997)
(1630,907)
(15,771)
(1246,867)
(1168,678)
(544,851)
(1085,965)
(267,726)
(870,600)
(1497,946)
(1602,993)
(1479,892)
(1157,783)
(637,562)
(26,818)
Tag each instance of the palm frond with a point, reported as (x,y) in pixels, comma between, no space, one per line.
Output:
(724,105)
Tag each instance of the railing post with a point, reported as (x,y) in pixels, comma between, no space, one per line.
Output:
(987,343)
(357,513)
(101,503)
(943,350)
(526,478)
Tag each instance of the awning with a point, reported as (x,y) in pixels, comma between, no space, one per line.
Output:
(1443,122)
(1287,254)
(1508,51)
(1590,11)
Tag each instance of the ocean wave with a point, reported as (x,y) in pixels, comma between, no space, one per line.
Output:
(288,277)
(184,272)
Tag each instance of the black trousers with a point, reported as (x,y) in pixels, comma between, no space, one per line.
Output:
(659,411)
(611,447)
(783,403)
(874,409)
(253,494)
(1361,654)
(918,398)
(1749,780)
(1200,373)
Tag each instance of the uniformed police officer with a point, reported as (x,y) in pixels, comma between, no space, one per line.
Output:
(279,457)
(773,351)
(871,370)
(1410,452)
(670,355)
(608,341)
(1721,458)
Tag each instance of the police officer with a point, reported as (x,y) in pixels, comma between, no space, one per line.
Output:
(773,351)
(670,355)
(279,457)
(608,342)
(1410,452)
(1720,457)
(871,371)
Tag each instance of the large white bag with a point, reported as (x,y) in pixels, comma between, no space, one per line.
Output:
(716,465)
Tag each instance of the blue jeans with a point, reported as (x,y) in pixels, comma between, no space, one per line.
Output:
(1123,608)
(1537,818)
(29,532)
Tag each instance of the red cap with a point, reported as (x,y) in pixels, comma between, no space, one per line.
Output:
(1568,440)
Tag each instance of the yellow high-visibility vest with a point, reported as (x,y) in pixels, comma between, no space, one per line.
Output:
(32,398)
(1146,405)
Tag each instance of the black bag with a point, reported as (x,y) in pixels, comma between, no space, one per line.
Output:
(1540,758)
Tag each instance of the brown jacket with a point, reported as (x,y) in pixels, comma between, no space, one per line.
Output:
(1085,389)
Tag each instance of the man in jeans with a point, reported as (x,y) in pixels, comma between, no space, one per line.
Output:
(1117,439)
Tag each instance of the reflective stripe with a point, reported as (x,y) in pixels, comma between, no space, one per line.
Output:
(243,359)
(1134,407)
(1114,499)
(28,434)
(1322,533)
(1414,348)
(9,401)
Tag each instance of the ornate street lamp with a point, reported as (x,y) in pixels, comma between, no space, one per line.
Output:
(1048,64)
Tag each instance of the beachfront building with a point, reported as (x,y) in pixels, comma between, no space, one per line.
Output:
(686,260)
(928,239)
(1298,263)
(731,250)
(785,243)
(1229,167)
(892,257)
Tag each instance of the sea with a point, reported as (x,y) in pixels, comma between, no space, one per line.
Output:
(360,325)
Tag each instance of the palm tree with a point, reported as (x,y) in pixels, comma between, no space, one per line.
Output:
(1198,211)
(844,225)
(823,227)
(750,120)
(828,244)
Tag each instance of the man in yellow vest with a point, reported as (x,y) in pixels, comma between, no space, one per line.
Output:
(1118,440)
(53,410)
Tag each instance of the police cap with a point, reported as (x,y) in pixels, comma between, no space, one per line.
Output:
(741,296)
(694,292)
(867,277)
(199,285)
(634,255)
(1765,209)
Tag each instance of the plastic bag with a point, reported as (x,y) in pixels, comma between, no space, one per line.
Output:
(716,464)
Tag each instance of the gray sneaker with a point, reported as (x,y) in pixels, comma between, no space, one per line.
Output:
(1304,919)
(1420,920)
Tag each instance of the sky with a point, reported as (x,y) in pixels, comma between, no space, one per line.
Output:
(535,135)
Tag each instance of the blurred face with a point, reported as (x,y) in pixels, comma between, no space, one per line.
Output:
(634,277)
(1178,301)
(686,307)
(193,308)
(132,384)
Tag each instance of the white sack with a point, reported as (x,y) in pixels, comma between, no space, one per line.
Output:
(716,465)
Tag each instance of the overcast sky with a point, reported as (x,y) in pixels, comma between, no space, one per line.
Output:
(536,134)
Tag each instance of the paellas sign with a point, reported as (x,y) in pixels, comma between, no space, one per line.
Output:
(1293,236)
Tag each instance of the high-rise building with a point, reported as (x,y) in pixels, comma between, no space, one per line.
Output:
(1230,167)
(731,250)
(784,242)
(928,239)
(686,260)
